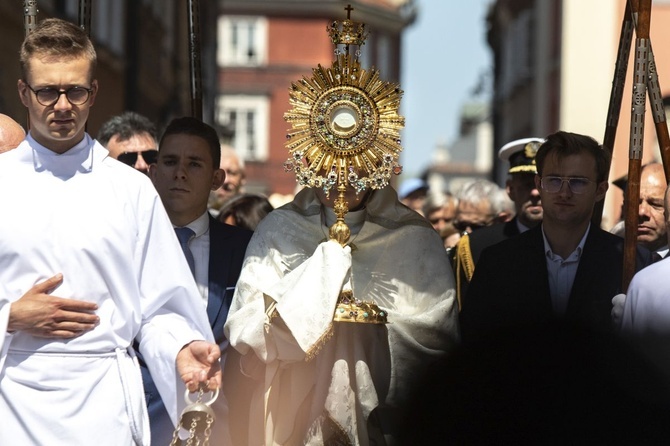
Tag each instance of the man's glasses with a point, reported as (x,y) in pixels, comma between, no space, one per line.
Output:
(554,184)
(49,96)
(130,158)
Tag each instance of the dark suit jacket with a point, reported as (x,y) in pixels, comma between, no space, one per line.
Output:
(479,240)
(227,247)
(490,235)
(510,286)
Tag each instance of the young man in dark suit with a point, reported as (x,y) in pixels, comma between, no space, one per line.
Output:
(562,270)
(185,173)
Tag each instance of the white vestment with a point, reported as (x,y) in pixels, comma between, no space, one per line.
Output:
(103,226)
(314,380)
(647,307)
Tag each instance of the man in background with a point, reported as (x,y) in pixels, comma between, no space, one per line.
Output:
(651,230)
(521,189)
(440,210)
(481,203)
(651,226)
(130,138)
(184,175)
(233,166)
(11,133)
(412,193)
(645,309)
(651,222)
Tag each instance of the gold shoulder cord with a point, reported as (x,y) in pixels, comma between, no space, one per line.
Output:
(463,261)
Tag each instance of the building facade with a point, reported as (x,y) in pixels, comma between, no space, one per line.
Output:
(264,46)
(553,70)
(143,56)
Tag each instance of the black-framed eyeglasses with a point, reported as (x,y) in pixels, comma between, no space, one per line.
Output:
(49,96)
(578,185)
(150,157)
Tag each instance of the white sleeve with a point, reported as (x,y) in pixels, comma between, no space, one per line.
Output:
(5,306)
(172,311)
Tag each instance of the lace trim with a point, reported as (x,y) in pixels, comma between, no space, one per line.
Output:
(310,354)
(318,345)
(334,434)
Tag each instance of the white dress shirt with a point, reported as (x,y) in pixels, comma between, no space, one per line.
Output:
(561,273)
(199,246)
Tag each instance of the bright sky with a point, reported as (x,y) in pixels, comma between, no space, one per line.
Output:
(443,56)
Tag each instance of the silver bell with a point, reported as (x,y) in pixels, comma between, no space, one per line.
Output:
(196,415)
(196,418)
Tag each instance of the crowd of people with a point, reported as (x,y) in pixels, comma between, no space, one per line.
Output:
(486,314)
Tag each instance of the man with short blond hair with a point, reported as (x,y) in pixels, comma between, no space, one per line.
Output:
(94,267)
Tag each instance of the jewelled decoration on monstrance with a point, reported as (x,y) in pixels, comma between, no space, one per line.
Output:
(345,133)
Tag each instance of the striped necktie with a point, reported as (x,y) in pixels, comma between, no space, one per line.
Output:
(184,235)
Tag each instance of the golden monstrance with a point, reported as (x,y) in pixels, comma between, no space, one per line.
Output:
(345,133)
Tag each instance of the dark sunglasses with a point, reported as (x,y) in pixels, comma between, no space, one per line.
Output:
(130,158)
(462,226)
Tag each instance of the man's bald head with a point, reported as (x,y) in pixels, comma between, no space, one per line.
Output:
(11,133)
(651,227)
(233,165)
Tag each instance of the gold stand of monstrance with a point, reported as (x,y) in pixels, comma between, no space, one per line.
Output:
(345,133)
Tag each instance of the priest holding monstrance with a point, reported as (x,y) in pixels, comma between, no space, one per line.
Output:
(346,295)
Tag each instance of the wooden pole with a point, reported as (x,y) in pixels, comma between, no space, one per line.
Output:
(85,16)
(616,96)
(636,138)
(194,58)
(85,24)
(656,101)
(29,23)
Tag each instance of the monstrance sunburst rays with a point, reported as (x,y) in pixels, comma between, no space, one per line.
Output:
(345,127)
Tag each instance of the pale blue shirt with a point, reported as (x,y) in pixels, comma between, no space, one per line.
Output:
(199,246)
(561,273)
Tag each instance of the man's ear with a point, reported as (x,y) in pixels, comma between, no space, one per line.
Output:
(601,189)
(23,92)
(218,178)
(94,87)
(503,217)
(509,189)
(153,173)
